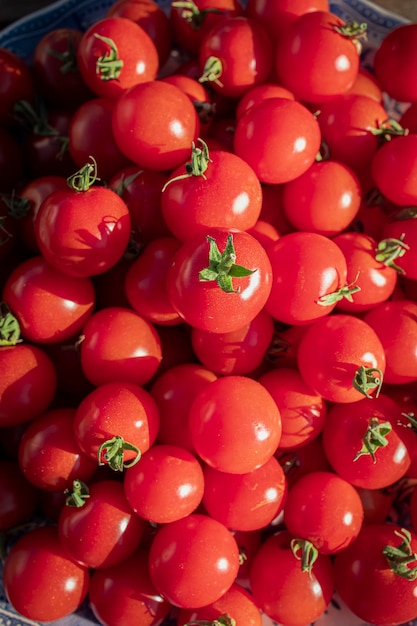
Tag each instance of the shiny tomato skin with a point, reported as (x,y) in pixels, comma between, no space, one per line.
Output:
(51,306)
(306,268)
(282,590)
(134,357)
(332,349)
(116,409)
(394,63)
(389,598)
(394,167)
(40,581)
(314,60)
(245,502)
(16,82)
(141,120)
(325,509)
(235,424)
(279,138)
(27,385)
(193,561)
(342,438)
(275,17)
(49,455)
(204,304)
(124,594)
(135,49)
(257,94)
(228,195)
(83,233)
(166,484)
(104,531)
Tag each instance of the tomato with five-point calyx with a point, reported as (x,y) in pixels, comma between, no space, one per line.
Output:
(280,138)
(219,281)
(214,189)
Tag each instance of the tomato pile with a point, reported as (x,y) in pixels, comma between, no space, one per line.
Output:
(208,318)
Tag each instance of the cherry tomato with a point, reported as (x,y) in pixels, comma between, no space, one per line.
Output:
(17,84)
(257,94)
(279,138)
(221,281)
(235,424)
(393,169)
(19,498)
(193,561)
(394,63)
(276,16)
(40,581)
(397,245)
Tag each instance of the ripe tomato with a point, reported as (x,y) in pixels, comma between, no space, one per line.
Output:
(49,455)
(282,589)
(166,484)
(394,166)
(398,243)
(381,561)
(19,498)
(220,281)
(116,422)
(193,561)
(114,54)
(83,233)
(308,277)
(325,509)
(124,594)
(342,358)
(102,531)
(40,581)
(303,411)
(369,443)
(257,94)
(279,138)
(51,306)
(17,83)
(235,424)
(215,189)
(394,63)
(134,357)
(245,502)
(276,16)
(142,121)
(235,55)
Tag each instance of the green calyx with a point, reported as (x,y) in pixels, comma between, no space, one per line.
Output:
(355,31)
(223,620)
(368,379)
(17,207)
(374,438)
(192,14)
(344,292)
(196,166)
(389,128)
(111,453)
(108,66)
(9,327)
(390,249)
(212,71)
(401,559)
(222,266)
(77,496)
(85,177)
(68,58)
(306,552)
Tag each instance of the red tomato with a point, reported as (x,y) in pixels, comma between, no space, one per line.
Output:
(83,233)
(221,281)
(134,357)
(115,54)
(49,455)
(16,80)
(193,561)
(308,277)
(279,138)
(103,531)
(367,85)
(199,95)
(235,55)
(297,462)
(342,358)
(141,121)
(394,167)
(40,581)
(394,63)
(325,199)
(257,94)
(215,189)
(27,385)
(303,412)
(235,424)
(51,306)
(165,485)
(398,243)
(317,56)
(368,443)
(325,509)
(19,498)
(124,594)
(174,391)
(237,603)
(276,16)
(395,323)
(282,589)
(373,563)
(248,501)
(116,422)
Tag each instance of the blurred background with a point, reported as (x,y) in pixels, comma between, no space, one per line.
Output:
(12,10)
